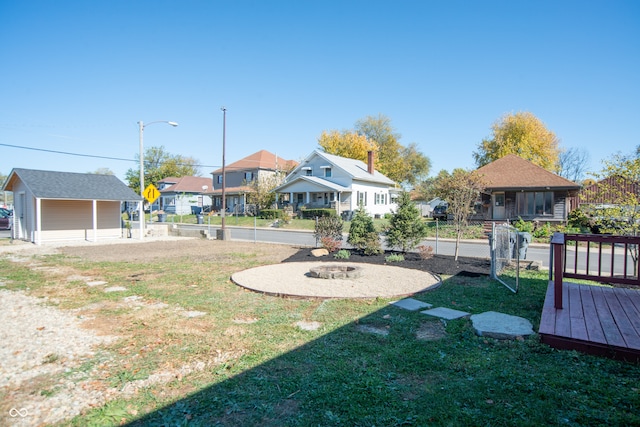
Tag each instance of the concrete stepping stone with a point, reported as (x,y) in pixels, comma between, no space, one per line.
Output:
(308,326)
(501,326)
(115,289)
(193,313)
(411,304)
(96,283)
(445,313)
(373,330)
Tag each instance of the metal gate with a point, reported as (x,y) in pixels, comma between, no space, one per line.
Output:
(505,255)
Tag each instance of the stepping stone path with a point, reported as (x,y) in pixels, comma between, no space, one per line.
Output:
(445,313)
(501,326)
(411,304)
(489,324)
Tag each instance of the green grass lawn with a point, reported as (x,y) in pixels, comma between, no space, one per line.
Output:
(260,369)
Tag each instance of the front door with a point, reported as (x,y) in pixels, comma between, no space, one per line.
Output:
(498,206)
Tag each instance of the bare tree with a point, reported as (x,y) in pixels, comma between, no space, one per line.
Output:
(572,163)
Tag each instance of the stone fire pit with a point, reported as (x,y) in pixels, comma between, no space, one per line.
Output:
(335,272)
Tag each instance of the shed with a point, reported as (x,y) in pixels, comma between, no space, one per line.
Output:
(59,206)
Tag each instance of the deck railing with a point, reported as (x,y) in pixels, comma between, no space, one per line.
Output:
(601,258)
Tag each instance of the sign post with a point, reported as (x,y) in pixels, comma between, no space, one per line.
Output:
(151,193)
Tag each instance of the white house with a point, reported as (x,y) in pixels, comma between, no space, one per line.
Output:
(58,206)
(327,181)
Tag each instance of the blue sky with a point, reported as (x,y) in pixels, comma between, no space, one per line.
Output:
(77,76)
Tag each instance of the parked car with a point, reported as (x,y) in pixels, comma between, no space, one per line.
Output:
(6,220)
(440,212)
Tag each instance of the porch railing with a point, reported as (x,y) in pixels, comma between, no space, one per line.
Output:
(601,258)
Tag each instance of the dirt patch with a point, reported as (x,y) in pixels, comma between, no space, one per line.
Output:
(195,250)
(431,331)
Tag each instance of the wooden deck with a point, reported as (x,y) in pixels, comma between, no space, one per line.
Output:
(597,320)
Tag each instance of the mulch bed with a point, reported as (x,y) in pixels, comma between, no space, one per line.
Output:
(438,264)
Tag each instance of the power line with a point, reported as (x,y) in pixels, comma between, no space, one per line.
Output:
(66,153)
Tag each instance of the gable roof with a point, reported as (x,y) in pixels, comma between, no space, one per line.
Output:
(357,169)
(186,184)
(512,172)
(321,182)
(71,186)
(260,160)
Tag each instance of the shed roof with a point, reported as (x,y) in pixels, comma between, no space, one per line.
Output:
(513,172)
(70,185)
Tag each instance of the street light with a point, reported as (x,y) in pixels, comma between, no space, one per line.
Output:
(141,126)
(224,204)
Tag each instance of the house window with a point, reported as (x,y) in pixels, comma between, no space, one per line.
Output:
(327,172)
(219,179)
(535,203)
(248,176)
(307,171)
(380,199)
(362,198)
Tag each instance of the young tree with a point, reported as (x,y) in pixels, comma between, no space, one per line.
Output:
(406,228)
(159,164)
(328,231)
(619,190)
(363,234)
(460,189)
(261,190)
(522,134)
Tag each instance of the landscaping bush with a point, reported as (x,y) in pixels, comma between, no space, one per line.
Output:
(328,231)
(425,252)
(394,258)
(330,244)
(320,213)
(523,226)
(406,227)
(272,214)
(363,234)
(342,254)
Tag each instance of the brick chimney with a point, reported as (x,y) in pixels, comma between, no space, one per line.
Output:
(370,160)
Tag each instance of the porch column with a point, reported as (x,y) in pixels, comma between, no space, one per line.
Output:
(336,197)
(38,238)
(308,198)
(95,220)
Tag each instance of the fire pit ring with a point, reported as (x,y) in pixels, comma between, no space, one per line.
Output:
(335,272)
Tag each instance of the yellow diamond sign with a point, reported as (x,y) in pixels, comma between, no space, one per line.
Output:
(151,193)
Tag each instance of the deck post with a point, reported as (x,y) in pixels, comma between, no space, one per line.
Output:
(557,243)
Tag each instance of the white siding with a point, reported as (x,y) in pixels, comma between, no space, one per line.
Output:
(73,220)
